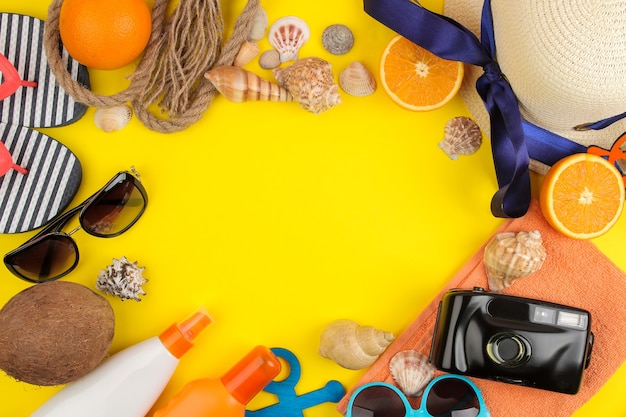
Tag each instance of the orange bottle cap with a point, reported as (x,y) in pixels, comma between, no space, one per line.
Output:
(251,374)
(178,338)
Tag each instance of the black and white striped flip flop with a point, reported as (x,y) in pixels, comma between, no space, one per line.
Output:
(39,177)
(29,93)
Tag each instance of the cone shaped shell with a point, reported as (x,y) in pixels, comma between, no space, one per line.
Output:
(353,346)
(239,85)
(509,256)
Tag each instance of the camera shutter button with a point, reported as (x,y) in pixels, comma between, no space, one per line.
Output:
(508,349)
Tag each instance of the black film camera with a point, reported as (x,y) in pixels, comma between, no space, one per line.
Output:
(511,339)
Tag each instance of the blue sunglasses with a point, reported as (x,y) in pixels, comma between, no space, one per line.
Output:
(444,396)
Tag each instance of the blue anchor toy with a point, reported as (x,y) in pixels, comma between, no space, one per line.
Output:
(289,403)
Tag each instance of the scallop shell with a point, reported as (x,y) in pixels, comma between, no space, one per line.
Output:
(462,136)
(287,35)
(353,346)
(247,52)
(259,25)
(239,85)
(412,371)
(110,119)
(311,82)
(357,80)
(338,39)
(269,59)
(509,256)
(123,278)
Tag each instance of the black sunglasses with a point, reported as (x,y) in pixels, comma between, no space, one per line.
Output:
(51,253)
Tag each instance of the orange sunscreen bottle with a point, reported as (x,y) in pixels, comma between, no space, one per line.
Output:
(129,382)
(226,396)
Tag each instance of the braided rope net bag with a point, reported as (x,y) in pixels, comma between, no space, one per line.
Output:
(170,74)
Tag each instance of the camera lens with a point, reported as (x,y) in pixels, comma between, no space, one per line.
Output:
(508,349)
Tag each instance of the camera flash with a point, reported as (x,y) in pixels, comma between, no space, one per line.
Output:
(544,315)
(573,320)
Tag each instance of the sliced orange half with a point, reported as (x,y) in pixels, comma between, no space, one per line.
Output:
(582,196)
(417,79)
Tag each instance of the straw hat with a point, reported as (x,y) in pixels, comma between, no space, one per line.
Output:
(565,60)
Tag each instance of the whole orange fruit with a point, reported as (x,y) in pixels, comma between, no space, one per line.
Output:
(105,34)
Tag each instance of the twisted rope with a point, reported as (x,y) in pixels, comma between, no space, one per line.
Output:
(171,71)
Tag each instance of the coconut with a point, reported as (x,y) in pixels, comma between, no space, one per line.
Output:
(55,332)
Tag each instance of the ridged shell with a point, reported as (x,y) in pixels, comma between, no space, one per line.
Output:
(123,278)
(269,59)
(412,371)
(247,52)
(311,82)
(353,346)
(357,80)
(462,136)
(110,119)
(239,85)
(287,35)
(259,25)
(509,256)
(338,39)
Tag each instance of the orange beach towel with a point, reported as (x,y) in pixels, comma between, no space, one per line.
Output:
(574,273)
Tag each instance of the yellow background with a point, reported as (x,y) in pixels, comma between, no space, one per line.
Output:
(279,221)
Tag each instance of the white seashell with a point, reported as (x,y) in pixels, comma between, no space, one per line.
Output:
(353,346)
(462,136)
(509,256)
(247,52)
(269,59)
(337,39)
(311,82)
(110,119)
(239,85)
(287,35)
(259,25)
(412,371)
(357,80)
(123,278)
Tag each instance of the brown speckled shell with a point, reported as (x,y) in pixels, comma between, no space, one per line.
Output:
(311,82)
(337,39)
(509,256)
(462,136)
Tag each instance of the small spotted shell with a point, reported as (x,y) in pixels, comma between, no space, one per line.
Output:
(110,119)
(462,136)
(287,35)
(338,39)
(357,80)
(412,371)
(509,256)
(123,279)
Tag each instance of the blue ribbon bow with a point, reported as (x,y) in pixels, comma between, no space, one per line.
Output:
(457,43)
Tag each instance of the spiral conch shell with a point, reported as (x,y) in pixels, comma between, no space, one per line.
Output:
(311,82)
(509,256)
(412,371)
(353,346)
(239,85)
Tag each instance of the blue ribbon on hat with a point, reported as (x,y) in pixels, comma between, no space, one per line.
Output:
(457,43)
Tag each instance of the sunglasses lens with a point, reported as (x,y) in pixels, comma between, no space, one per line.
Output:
(44,260)
(452,396)
(378,401)
(115,210)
